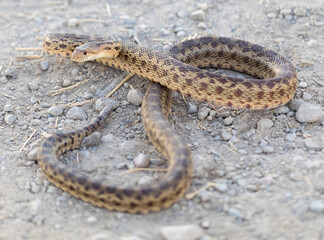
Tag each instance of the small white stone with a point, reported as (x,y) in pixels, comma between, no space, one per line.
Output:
(286,11)
(317,206)
(33,85)
(226,135)
(290,137)
(76,113)
(309,113)
(315,142)
(145,180)
(73,22)
(228,121)
(197,15)
(192,108)
(32,155)
(300,12)
(135,97)
(91,219)
(303,84)
(268,149)
(312,43)
(264,124)
(296,176)
(182,232)
(55,111)
(10,119)
(8,108)
(142,161)
(203,113)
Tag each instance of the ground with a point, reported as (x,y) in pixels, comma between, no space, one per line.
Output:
(266,182)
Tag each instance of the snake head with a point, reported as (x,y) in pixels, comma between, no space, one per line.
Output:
(96,50)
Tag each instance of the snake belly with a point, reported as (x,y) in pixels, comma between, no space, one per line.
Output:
(178,70)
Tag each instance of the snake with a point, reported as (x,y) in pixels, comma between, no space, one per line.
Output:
(181,69)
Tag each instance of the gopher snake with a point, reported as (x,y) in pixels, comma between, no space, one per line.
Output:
(178,70)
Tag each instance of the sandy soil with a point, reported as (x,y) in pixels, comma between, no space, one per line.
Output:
(267,184)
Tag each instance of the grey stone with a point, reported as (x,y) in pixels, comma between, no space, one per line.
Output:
(76,113)
(142,161)
(312,43)
(33,85)
(8,108)
(44,65)
(294,104)
(131,238)
(55,111)
(91,219)
(268,149)
(226,135)
(303,84)
(32,155)
(309,113)
(300,12)
(203,113)
(286,11)
(135,97)
(228,121)
(73,22)
(92,140)
(10,119)
(197,15)
(264,124)
(9,72)
(290,137)
(192,108)
(316,142)
(317,206)
(145,180)
(66,83)
(181,232)
(282,110)
(102,102)
(221,187)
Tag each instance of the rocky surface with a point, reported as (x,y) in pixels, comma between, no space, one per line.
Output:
(258,174)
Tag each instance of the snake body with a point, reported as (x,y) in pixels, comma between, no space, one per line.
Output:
(178,70)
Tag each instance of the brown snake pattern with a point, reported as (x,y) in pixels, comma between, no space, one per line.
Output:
(178,70)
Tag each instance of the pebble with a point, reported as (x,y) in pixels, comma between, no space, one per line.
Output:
(286,11)
(38,220)
(32,155)
(242,152)
(197,15)
(55,111)
(91,140)
(203,113)
(181,232)
(8,108)
(76,113)
(282,110)
(271,15)
(73,22)
(228,121)
(312,43)
(66,83)
(290,137)
(264,124)
(131,238)
(192,108)
(33,85)
(145,180)
(224,113)
(107,138)
(309,113)
(268,149)
(226,135)
(44,65)
(294,104)
(317,206)
(221,187)
(9,72)
(303,84)
(316,142)
(10,119)
(91,219)
(103,236)
(102,102)
(142,161)
(205,224)
(300,12)
(135,97)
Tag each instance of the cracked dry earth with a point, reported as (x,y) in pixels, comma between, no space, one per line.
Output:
(257,174)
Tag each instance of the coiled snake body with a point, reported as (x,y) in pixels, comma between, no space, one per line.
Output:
(178,70)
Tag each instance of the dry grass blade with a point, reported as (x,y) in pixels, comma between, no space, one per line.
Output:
(24,145)
(145,169)
(120,84)
(193,194)
(58,91)
(28,57)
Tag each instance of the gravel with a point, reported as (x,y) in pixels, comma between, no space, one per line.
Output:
(10,119)
(44,65)
(197,15)
(228,121)
(92,140)
(203,113)
(316,142)
(10,72)
(33,85)
(317,206)
(192,108)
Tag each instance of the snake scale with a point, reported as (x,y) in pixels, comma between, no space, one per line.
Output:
(179,70)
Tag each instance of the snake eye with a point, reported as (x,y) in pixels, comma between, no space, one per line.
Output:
(84,53)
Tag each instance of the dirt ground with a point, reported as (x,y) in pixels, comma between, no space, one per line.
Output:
(266,182)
